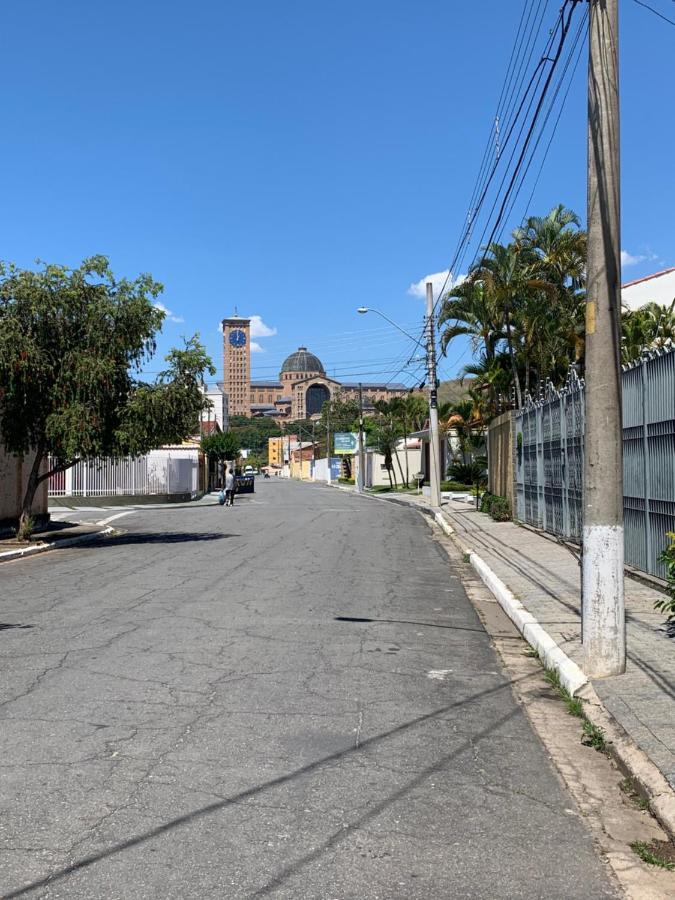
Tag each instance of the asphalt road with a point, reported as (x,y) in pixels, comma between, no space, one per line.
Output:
(196,710)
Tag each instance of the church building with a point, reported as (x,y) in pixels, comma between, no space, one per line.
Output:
(303,386)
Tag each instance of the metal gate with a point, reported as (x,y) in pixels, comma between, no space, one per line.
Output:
(550,459)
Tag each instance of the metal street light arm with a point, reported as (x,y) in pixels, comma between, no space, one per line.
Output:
(365,309)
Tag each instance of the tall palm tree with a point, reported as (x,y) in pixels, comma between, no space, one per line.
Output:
(647,328)
(467,309)
(386,439)
(506,276)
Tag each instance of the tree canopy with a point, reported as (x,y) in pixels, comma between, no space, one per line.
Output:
(221,446)
(72,345)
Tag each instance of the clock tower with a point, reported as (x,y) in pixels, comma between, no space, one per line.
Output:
(237,365)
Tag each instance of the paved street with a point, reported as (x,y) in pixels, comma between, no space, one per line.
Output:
(198,710)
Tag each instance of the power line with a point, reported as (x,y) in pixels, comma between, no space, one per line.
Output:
(655,11)
(564,30)
(530,92)
(579,42)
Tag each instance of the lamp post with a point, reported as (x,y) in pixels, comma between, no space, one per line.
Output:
(434,442)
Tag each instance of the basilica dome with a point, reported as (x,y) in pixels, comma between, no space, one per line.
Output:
(302,361)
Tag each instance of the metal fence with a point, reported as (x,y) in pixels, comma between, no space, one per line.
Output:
(159,472)
(549,434)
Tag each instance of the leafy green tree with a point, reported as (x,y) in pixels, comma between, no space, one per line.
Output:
(221,446)
(341,413)
(254,434)
(70,343)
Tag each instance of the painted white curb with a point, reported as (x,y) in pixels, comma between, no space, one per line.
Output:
(440,519)
(571,676)
(19,553)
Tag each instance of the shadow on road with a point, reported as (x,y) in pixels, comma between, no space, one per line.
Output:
(357,620)
(166,537)
(309,769)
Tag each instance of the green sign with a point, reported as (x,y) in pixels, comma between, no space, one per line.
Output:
(346,443)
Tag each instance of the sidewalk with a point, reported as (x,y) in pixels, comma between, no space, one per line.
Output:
(56,534)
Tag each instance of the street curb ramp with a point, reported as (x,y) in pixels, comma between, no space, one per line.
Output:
(33,549)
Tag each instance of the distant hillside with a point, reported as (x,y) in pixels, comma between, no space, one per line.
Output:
(453,391)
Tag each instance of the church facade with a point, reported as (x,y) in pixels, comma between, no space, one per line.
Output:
(303,386)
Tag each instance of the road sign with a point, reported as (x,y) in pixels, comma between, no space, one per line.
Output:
(346,443)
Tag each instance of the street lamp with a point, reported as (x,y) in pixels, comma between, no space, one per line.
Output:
(434,442)
(366,309)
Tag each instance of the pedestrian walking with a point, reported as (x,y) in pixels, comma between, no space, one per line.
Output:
(229,488)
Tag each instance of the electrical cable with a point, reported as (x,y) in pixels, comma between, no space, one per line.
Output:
(577,42)
(532,87)
(564,31)
(655,11)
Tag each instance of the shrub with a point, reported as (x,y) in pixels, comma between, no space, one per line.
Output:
(500,509)
(468,473)
(667,605)
(455,486)
(497,507)
(486,502)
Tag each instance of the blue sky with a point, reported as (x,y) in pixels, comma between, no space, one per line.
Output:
(294,160)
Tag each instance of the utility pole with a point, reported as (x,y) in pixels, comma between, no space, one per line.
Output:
(328,458)
(603,612)
(360,481)
(434,442)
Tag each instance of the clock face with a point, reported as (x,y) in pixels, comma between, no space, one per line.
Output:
(237,338)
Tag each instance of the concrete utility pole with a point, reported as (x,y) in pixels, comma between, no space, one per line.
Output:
(328,474)
(360,481)
(603,613)
(434,442)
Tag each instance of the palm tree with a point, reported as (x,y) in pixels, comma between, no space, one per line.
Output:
(386,439)
(467,309)
(558,245)
(647,328)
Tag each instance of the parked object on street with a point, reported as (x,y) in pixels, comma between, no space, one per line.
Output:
(229,488)
(244,484)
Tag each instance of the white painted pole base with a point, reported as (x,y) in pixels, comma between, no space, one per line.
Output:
(603,609)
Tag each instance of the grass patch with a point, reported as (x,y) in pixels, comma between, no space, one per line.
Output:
(594,736)
(628,787)
(575,706)
(531,652)
(652,854)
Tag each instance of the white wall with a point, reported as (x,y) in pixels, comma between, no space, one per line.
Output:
(219,409)
(657,289)
(376,474)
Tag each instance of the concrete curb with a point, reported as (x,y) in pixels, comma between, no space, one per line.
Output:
(632,760)
(33,549)
(571,676)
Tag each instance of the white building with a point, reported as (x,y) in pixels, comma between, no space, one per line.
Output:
(657,288)
(219,408)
